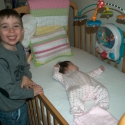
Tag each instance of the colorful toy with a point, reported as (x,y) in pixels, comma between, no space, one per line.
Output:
(80,18)
(122,120)
(93,23)
(110,42)
(100,4)
(121,17)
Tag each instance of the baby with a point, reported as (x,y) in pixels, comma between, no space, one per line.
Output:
(80,86)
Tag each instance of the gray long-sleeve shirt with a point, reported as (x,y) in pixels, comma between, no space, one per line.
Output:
(13,66)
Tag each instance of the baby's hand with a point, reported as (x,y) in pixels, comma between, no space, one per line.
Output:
(57,65)
(102,68)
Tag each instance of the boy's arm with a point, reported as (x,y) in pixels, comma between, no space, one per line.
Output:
(56,75)
(96,72)
(10,89)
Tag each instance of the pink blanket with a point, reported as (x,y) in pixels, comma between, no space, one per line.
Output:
(48,4)
(96,116)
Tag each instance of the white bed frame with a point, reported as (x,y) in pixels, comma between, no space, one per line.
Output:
(40,109)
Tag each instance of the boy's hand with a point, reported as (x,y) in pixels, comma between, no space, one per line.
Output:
(37,90)
(102,68)
(26,82)
(31,85)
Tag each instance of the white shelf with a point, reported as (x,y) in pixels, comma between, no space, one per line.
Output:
(2,4)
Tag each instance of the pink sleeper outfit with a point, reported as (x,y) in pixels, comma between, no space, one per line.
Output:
(81,87)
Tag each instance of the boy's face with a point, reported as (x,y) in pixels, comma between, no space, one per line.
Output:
(11,31)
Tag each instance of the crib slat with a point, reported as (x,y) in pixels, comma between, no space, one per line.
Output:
(69,27)
(91,39)
(80,37)
(90,43)
(31,109)
(34,112)
(85,38)
(38,110)
(48,117)
(43,114)
(96,54)
(55,122)
(75,12)
(115,65)
(123,63)
(108,61)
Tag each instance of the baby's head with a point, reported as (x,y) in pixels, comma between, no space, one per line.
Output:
(67,66)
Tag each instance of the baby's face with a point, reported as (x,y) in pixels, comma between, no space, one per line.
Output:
(71,66)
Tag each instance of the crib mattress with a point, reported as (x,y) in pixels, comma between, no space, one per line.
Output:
(112,79)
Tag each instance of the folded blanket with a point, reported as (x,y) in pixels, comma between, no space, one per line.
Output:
(96,116)
(50,23)
(50,14)
(38,4)
(50,19)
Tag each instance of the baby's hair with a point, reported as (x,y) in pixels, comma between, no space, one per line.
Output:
(10,12)
(63,66)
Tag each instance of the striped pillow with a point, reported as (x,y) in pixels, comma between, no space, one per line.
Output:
(48,46)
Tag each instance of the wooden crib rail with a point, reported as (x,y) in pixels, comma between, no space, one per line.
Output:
(75,34)
(23,9)
(42,112)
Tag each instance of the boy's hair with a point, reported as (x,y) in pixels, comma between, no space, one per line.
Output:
(63,66)
(10,12)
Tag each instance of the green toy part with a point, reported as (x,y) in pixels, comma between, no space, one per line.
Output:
(107,13)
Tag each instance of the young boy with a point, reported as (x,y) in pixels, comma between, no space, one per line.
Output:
(80,86)
(15,78)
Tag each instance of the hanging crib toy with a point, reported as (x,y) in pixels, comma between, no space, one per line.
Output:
(100,5)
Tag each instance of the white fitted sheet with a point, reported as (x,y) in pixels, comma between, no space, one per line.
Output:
(112,78)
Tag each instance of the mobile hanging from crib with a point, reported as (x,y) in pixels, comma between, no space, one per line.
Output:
(100,5)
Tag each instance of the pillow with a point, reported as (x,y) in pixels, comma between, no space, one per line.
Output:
(45,48)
